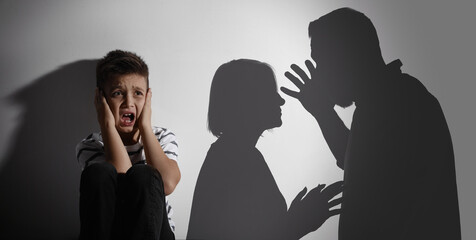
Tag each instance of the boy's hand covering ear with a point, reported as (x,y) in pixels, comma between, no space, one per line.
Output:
(104,113)
(146,115)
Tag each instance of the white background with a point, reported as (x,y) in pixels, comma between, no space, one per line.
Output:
(184,42)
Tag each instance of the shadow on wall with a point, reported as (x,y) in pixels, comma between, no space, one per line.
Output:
(39,183)
(236,195)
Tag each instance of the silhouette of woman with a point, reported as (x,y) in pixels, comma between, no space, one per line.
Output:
(236,196)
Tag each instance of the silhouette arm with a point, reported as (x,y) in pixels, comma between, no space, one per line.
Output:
(335,133)
(315,100)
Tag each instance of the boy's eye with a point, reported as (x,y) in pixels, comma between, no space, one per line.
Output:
(116,93)
(139,93)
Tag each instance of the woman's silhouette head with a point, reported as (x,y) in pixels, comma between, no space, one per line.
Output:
(244,97)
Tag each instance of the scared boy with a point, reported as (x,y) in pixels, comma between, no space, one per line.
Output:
(130,166)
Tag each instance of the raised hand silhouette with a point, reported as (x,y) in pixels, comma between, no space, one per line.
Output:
(316,207)
(313,94)
(315,97)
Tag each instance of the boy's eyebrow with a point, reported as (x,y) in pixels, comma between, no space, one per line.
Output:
(138,88)
(120,86)
(116,86)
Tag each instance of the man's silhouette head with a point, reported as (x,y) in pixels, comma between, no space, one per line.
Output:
(345,46)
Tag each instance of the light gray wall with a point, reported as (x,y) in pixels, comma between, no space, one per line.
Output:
(47,81)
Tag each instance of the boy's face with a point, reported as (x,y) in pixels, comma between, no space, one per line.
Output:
(125,95)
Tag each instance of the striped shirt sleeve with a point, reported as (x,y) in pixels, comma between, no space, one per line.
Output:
(90,150)
(168,142)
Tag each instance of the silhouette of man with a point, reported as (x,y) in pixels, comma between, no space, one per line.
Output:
(399,178)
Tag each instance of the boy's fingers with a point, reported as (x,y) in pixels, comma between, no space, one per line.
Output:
(103,98)
(148,98)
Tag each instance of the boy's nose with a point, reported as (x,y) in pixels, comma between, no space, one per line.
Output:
(128,101)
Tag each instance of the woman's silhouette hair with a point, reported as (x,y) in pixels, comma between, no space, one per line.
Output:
(234,91)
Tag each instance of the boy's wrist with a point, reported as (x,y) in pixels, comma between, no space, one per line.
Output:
(144,130)
(144,122)
(108,127)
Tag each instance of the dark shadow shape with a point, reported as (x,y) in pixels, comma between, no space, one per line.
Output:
(39,183)
(398,161)
(236,196)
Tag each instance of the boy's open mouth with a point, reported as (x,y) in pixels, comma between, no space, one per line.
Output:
(127,118)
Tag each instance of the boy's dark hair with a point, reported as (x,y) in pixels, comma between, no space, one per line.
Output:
(119,62)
